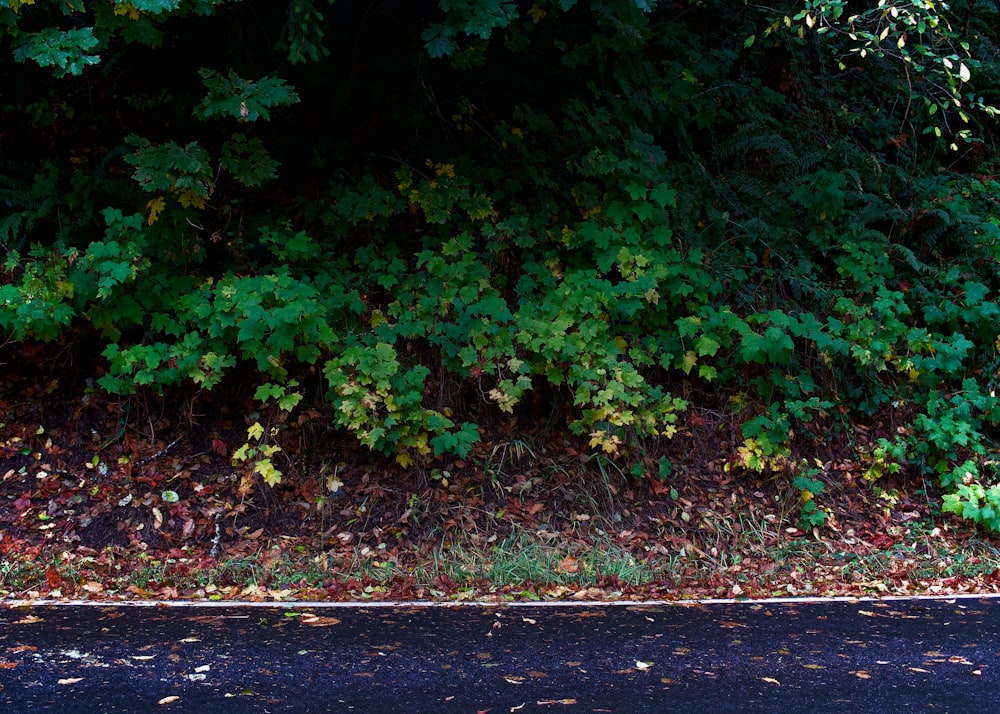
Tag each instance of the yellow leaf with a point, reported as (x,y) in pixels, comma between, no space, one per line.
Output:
(404,459)
(447,170)
(272,476)
(15,5)
(255,431)
(126,8)
(536,13)
(188,197)
(155,207)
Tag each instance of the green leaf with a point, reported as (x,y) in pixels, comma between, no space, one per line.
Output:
(706,345)
(242,99)
(664,196)
(170,497)
(65,50)
(248,161)
(153,7)
(170,166)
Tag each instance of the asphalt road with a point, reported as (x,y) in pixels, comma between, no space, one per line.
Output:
(843,656)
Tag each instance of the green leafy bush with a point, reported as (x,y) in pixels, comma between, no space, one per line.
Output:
(591,209)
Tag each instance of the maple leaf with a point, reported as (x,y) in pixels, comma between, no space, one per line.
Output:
(52,577)
(155,207)
(568,564)
(189,197)
(536,14)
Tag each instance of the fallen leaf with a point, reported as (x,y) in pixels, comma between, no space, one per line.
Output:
(546,702)
(28,620)
(52,577)
(771,680)
(568,564)
(862,674)
(169,700)
(70,680)
(642,666)
(318,620)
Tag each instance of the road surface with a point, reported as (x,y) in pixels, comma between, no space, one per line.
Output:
(840,656)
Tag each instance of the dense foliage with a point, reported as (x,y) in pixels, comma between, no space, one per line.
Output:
(433,216)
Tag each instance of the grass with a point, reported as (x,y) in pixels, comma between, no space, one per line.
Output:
(727,552)
(528,558)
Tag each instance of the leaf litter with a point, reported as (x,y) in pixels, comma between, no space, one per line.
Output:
(115,499)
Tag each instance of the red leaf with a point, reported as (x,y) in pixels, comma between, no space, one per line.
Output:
(53,578)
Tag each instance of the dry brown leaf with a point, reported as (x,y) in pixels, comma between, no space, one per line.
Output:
(53,578)
(568,564)
(319,620)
